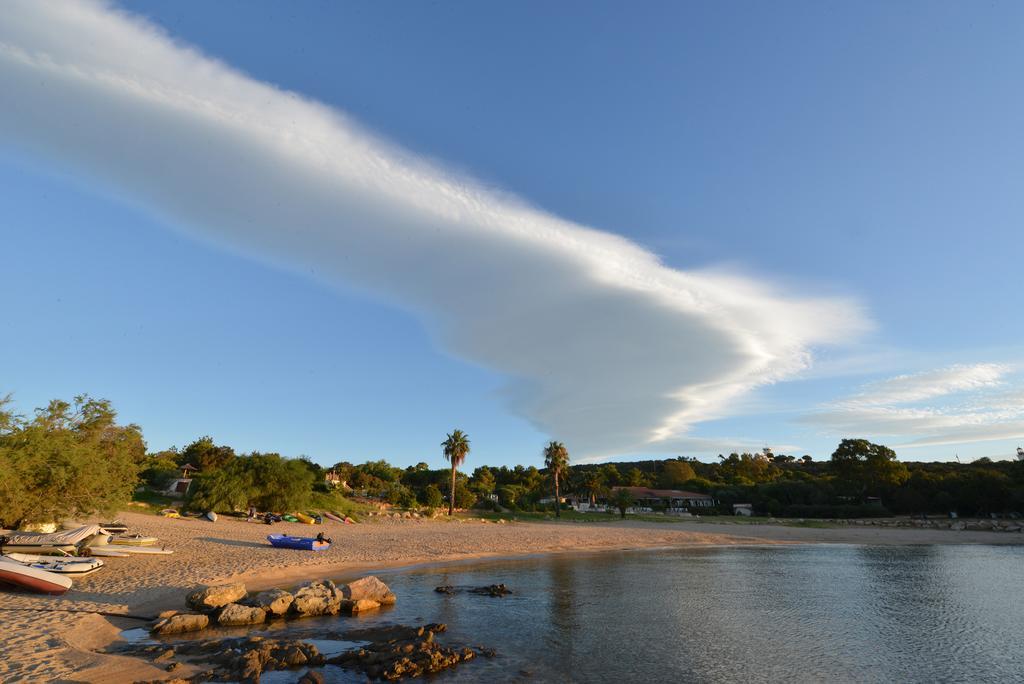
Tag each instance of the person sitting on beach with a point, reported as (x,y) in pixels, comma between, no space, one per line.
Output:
(252,511)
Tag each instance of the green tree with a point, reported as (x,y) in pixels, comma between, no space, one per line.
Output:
(206,455)
(636,478)
(482,481)
(160,469)
(675,473)
(456,447)
(381,470)
(622,500)
(865,467)
(556,459)
(432,497)
(611,475)
(465,495)
(70,459)
(267,481)
(748,468)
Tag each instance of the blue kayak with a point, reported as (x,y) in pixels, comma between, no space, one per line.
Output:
(284,541)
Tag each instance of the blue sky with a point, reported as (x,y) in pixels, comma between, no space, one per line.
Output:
(850,172)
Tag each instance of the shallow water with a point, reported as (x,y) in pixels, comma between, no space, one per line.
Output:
(796,613)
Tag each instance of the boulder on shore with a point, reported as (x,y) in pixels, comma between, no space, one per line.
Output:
(235,614)
(317,597)
(369,588)
(216,596)
(181,623)
(274,602)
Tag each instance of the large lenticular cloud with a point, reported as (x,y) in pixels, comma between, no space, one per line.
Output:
(604,347)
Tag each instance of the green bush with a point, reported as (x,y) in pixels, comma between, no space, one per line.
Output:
(267,481)
(432,497)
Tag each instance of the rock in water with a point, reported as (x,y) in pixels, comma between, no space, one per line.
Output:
(234,614)
(360,606)
(492,590)
(215,597)
(318,597)
(275,602)
(368,588)
(180,623)
(311,677)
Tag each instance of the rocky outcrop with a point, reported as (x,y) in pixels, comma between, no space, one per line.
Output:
(216,596)
(398,652)
(234,615)
(370,588)
(247,659)
(181,623)
(274,602)
(318,597)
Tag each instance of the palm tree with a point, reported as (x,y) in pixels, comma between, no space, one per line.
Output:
(556,458)
(455,449)
(594,483)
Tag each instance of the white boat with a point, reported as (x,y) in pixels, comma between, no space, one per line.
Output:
(67,565)
(100,547)
(137,550)
(211,516)
(105,552)
(33,579)
(133,540)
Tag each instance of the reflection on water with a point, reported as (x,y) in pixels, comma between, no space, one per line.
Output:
(799,613)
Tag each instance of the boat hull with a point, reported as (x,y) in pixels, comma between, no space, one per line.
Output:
(32,579)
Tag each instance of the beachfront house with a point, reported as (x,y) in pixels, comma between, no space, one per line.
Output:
(334,479)
(646,500)
(179,486)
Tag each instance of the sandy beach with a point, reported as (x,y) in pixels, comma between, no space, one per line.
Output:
(46,641)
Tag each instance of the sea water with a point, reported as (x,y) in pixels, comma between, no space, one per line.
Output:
(802,613)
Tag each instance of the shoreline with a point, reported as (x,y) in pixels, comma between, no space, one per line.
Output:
(49,643)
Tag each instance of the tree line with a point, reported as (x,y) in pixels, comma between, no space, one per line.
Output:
(73,458)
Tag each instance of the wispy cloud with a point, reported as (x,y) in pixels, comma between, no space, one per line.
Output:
(979,402)
(604,346)
(905,389)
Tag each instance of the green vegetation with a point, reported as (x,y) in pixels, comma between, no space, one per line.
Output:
(72,458)
(69,459)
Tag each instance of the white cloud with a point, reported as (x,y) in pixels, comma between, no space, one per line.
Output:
(980,402)
(904,389)
(604,347)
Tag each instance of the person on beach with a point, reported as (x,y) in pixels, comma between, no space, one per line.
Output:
(252,512)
